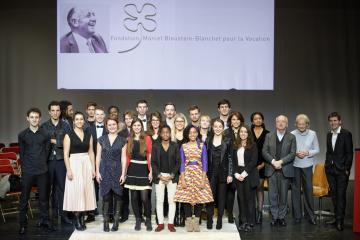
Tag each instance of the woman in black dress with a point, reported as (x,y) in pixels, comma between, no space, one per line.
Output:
(155,125)
(220,170)
(110,170)
(246,176)
(259,132)
(139,174)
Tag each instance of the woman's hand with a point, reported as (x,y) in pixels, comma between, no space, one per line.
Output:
(183,184)
(122,179)
(150,177)
(98,177)
(93,174)
(70,174)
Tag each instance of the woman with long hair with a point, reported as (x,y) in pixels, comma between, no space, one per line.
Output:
(246,176)
(205,122)
(139,174)
(79,194)
(154,127)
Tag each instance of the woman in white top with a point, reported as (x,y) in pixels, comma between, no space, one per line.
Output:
(246,176)
(307,146)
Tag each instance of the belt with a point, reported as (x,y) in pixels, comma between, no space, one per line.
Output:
(138,161)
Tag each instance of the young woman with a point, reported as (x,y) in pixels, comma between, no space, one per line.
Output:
(177,135)
(259,132)
(235,120)
(246,176)
(194,188)
(165,163)
(139,174)
(220,170)
(205,122)
(110,170)
(155,124)
(79,195)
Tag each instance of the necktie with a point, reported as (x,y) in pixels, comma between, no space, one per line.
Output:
(144,120)
(89,43)
(100,126)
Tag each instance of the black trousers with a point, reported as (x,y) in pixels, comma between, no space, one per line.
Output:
(145,197)
(230,198)
(218,190)
(246,196)
(27,182)
(189,210)
(338,182)
(57,176)
(302,179)
(125,199)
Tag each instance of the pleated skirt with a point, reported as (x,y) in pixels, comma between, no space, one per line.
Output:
(79,192)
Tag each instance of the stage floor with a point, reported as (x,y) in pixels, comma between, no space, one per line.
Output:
(126,231)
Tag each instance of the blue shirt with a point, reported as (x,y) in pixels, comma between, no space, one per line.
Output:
(306,141)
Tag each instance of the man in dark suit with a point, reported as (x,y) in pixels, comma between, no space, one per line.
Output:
(339,157)
(142,108)
(97,130)
(82,38)
(279,153)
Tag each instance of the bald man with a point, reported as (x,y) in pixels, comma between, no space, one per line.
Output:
(279,153)
(82,38)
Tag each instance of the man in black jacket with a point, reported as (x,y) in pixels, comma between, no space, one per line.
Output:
(339,157)
(56,129)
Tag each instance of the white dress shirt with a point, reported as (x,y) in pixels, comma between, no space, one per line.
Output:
(144,121)
(84,45)
(241,162)
(99,130)
(334,137)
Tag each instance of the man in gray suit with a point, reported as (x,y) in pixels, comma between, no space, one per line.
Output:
(279,153)
(82,38)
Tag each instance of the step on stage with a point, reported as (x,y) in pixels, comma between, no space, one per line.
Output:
(126,231)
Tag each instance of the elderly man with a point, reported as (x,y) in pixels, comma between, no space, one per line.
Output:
(82,37)
(279,152)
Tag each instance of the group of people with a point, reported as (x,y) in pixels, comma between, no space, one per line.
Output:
(77,158)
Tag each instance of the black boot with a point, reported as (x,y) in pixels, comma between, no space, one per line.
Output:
(82,220)
(209,223)
(219,223)
(138,224)
(259,217)
(118,207)
(148,224)
(106,216)
(77,224)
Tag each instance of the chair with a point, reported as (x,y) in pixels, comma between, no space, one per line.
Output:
(320,187)
(8,169)
(2,145)
(11,149)
(4,161)
(14,144)
(8,155)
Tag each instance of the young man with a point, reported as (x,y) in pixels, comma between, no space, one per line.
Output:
(34,151)
(56,129)
(141,109)
(90,111)
(339,157)
(194,114)
(169,112)
(67,112)
(224,108)
(96,130)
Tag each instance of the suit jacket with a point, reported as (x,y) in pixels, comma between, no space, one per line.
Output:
(68,44)
(288,152)
(250,160)
(174,161)
(92,130)
(226,160)
(342,156)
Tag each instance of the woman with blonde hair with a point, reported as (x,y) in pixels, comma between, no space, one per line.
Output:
(205,122)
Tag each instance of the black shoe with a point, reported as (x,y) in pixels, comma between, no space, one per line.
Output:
(65,219)
(340,226)
(259,217)
(242,227)
(82,220)
(282,222)
(231,218)
(248,228)
(124,219)
(106,227)
(331,222)
(297,220)
(312,221)
(22,230)
(219,224)
(117,207)
(138,224)
(209,224)
(273,222)
(77,224)
(148,224)
(90,218)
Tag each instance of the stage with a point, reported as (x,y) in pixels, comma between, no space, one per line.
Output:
(126,231)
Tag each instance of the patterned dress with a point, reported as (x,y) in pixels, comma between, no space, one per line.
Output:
(193,163)
(110,165)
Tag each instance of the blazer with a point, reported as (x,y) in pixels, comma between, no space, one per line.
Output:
(250,160)
(226,160)
(92,130)
(174,161)
(342,156)
(68,44)
(288,152)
